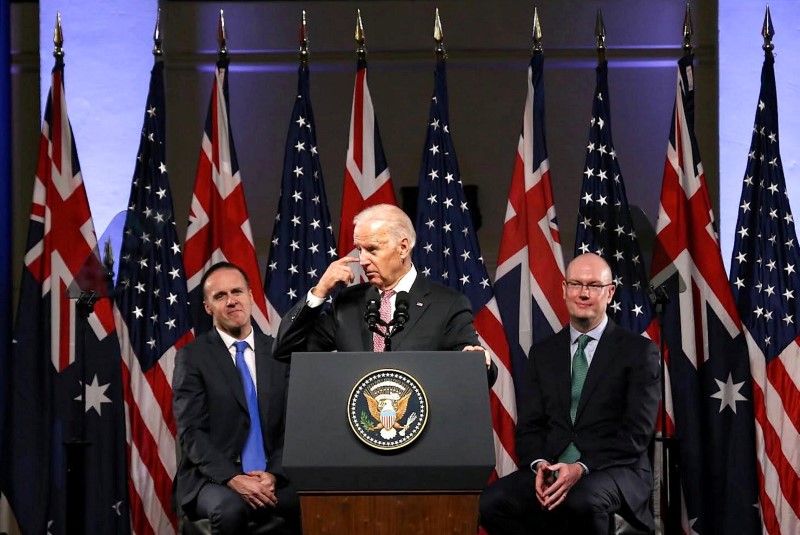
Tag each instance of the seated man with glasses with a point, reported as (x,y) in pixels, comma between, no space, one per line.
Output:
(584,426)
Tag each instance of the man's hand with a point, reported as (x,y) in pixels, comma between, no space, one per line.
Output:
(338,272)
(256,488)
(551,491)
(486,354)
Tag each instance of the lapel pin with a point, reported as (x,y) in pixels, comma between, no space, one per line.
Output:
(419,304)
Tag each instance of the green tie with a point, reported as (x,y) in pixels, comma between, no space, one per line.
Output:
(580,366)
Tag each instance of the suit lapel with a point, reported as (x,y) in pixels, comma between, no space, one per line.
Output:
(262,375)
(222,359)
(603,356)
(563,369)
(418,303)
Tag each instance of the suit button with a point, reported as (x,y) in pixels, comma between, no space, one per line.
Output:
(574,435)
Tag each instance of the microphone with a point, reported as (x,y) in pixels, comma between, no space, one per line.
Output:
(372,315)
(400,310)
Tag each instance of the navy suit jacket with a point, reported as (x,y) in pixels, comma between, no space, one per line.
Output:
(440,319)
(616,412)
(211,412)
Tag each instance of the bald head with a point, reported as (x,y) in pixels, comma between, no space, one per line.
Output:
(587,291)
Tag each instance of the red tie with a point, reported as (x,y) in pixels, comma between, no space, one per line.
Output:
(378,342)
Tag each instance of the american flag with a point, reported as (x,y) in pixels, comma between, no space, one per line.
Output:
(530,266)
(367,181)
(764,279)
(447,252)
(58,356)
(604,219)
(302,239)
(219,226)
(708,365)
(605,227)
(152,319)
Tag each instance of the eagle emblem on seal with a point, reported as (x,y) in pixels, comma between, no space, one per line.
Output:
(387,409)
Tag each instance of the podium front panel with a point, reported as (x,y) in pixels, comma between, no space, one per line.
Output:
(454,452)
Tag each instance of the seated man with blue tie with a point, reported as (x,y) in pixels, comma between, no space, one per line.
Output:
(229,399)
(584,429)
(439,318)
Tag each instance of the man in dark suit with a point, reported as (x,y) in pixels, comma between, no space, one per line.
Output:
(584,430)
(439,318)
(229,399)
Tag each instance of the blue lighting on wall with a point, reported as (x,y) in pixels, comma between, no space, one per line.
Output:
(740,61)
(107,59)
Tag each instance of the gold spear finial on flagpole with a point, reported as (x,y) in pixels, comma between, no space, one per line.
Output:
(600,33)
(58,38)
(688,31)
(303,41)
(537,31)
(438,36)
(157,51)
(222,36)
(767,32)
(362,51)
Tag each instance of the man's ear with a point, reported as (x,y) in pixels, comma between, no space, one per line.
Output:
(207,308)
(404,248)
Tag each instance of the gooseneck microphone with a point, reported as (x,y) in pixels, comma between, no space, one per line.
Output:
(373,315)
(400,310)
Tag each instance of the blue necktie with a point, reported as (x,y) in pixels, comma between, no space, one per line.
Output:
(253,456)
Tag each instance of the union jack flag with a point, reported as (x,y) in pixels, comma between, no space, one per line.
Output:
(219,226)
(530,265)
(367,181)
(152,320)
(65,384)
(708,364)
(302,239)
(447,252)
(763,279)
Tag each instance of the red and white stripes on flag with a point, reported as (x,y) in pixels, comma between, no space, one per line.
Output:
(530,264)
(153,321)
(219,225)
(367,180)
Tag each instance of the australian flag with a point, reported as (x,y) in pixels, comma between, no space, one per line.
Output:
(152,321)
(447,252)
(302,239)
(764,278)
(712,392)
(66,389)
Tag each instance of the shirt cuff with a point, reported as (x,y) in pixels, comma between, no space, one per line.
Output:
(585,468)
(534,463)
(312,301)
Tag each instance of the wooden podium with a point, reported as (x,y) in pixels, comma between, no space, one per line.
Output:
(430,486)
(389,514)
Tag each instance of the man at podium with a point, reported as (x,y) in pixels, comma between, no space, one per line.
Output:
(582,435)
(397,309)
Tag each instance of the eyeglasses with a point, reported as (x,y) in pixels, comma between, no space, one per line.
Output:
(594,288)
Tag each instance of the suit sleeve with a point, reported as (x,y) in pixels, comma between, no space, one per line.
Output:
(190,405)
(304,328)
(533,423)
(459,330)
(633,436)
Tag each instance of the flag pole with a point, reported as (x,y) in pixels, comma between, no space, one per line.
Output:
(303,41)
(75,446)
(438,36)
(670,458)
(359,36)
(222,37)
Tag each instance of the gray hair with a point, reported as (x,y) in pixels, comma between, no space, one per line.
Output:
(397,223)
